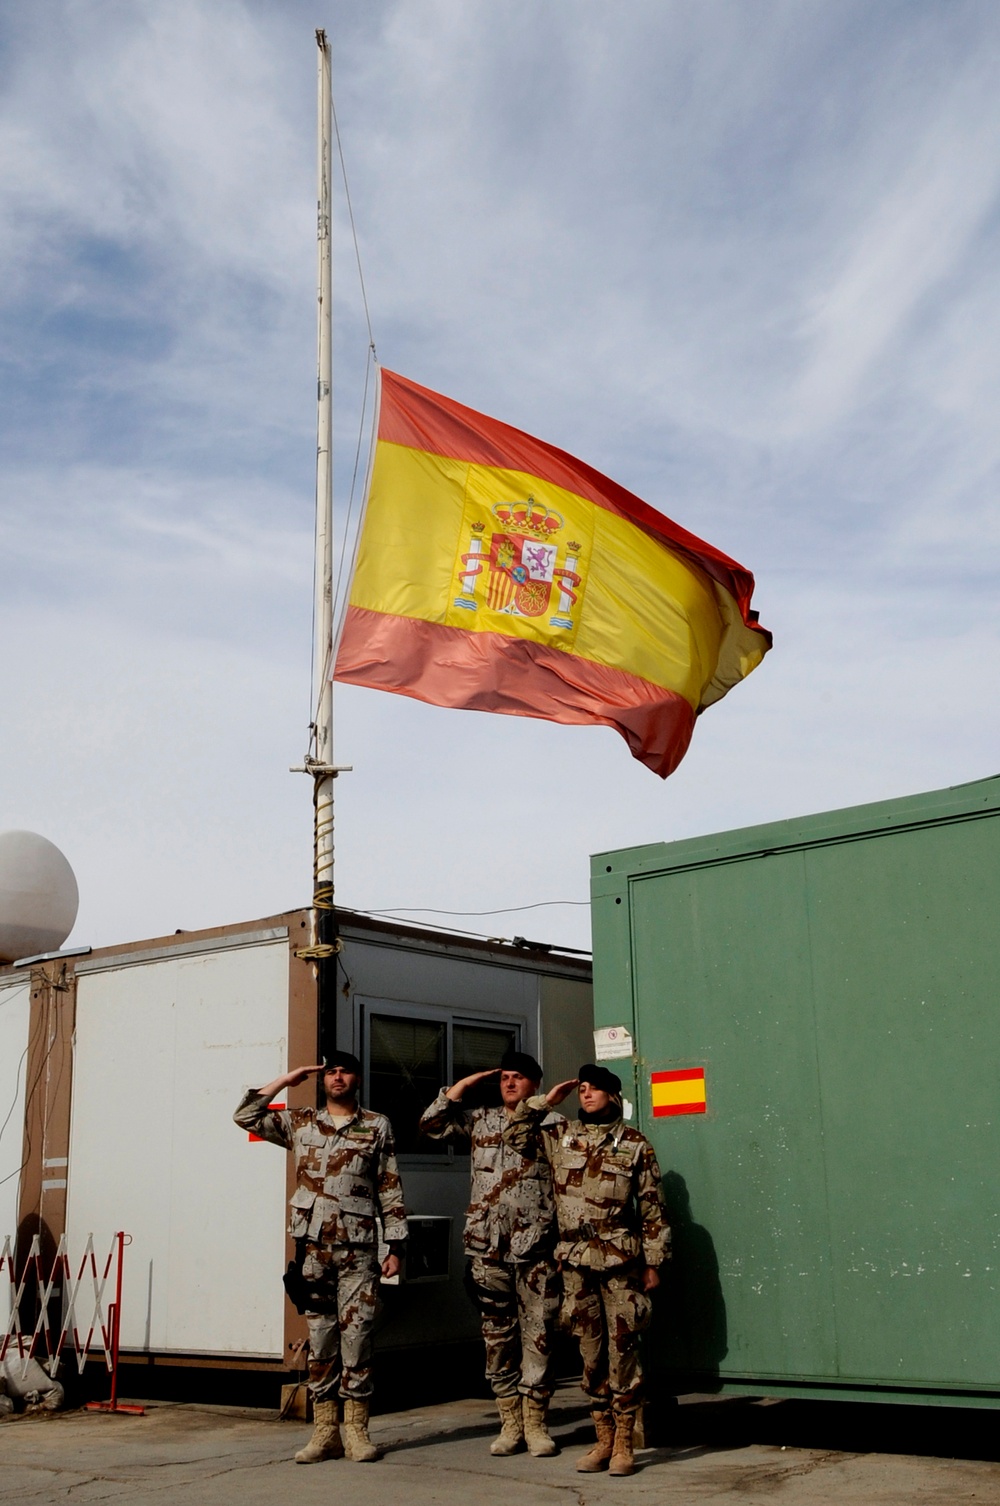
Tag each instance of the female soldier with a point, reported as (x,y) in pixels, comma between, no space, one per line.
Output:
(613,1236)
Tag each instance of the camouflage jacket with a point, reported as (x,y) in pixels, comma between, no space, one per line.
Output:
(344,1177)
(510,1210)
(606,1184)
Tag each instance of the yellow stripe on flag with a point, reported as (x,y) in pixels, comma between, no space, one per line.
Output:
(688,1090)
(637,607)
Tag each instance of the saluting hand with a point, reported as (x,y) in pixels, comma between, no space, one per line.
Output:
(289,1080)
(463,1085)
(561,1090)
(299,1074)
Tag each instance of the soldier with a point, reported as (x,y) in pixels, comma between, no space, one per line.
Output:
(613,1236)
(509,1235)
(346,1176)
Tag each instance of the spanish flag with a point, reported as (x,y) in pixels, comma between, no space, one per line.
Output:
(495,572)
(680,1092)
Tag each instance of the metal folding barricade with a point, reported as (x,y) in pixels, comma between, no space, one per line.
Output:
(59,1292)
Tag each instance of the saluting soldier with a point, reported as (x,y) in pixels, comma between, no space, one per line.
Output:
(509,1238)
(613,1237)
(345,1177)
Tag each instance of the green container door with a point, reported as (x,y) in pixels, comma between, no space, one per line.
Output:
(837,980)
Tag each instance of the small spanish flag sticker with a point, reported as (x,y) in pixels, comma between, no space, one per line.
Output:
(678,1092)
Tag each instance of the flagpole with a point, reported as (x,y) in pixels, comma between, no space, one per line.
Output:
(319,761)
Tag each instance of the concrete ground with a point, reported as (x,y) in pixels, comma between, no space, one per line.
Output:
(724,1454)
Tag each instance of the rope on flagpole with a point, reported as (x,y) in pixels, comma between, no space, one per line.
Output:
(371,363)
(354,232)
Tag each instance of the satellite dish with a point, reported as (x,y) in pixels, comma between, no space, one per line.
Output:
(38,896)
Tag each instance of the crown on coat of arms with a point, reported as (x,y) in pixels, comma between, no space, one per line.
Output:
(529,517)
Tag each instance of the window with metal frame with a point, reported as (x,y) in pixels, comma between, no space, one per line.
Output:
(412,1052)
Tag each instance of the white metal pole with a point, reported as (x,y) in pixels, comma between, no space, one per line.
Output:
(324,773)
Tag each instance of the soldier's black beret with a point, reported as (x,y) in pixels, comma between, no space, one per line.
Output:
(343,1059)
(520,1061)
(600,1078)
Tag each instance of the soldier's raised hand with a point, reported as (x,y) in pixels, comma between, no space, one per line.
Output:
(299,1074)
(288,1080)
(561,1090)
(463,1085)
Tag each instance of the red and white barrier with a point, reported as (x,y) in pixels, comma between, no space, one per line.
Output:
(59,1301)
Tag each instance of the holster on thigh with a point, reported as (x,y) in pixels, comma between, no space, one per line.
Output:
(487,1302)
(315,1288)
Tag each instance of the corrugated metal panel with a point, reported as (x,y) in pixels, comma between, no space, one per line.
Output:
(164,1048)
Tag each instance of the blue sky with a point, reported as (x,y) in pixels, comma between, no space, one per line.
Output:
(740,257)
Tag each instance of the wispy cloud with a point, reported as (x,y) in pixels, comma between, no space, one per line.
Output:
(915,237)
(742,258)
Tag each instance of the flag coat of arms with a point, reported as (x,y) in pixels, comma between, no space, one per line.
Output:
(495,572)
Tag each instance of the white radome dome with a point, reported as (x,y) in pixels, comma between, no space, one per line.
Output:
(38,896)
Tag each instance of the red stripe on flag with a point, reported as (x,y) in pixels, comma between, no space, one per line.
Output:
(450,666)
(687,1074)
(679,1108)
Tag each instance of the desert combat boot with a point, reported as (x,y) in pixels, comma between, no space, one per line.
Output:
(511,1436)
(597,1457)
(536,1434)
(325,1442)
(622,1456)
(356,1440)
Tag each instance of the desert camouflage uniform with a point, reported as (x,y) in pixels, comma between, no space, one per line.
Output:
(509,1233)
(345,1177)
(606,1184)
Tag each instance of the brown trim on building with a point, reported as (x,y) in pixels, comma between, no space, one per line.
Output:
(303,1046)
(48,1096)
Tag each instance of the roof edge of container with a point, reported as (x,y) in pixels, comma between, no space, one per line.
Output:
(956,802)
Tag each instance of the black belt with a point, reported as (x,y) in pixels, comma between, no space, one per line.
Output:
(588,1231)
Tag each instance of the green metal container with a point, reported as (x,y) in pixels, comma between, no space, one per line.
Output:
(835,1203)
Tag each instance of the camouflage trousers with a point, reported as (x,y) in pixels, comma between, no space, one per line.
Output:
(606,1311)
(345,1281)
(518,1301)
